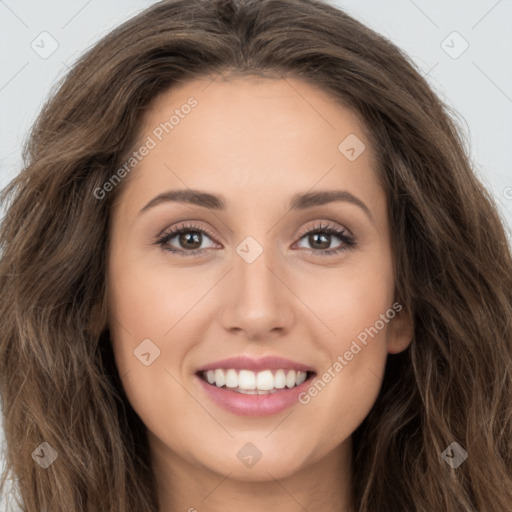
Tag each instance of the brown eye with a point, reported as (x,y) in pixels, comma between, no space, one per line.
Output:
(320,238)
(189,239)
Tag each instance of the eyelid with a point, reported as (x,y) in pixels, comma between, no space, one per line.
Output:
(318,226)
(185,226)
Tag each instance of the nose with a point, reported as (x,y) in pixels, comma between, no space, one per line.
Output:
(259,303)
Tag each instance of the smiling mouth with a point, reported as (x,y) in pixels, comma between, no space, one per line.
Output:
(255,383)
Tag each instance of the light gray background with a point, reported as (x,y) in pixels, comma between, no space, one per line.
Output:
(477,83)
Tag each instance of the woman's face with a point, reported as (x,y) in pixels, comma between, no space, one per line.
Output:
(254,274)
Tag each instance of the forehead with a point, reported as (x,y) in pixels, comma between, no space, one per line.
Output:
(267,138)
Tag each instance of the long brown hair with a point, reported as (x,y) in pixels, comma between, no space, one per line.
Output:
(58,380)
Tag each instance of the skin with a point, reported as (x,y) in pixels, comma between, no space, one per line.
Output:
(256,142)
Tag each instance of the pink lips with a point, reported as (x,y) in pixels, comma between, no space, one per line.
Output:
(254,405)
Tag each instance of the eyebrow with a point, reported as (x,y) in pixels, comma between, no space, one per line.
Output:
(216,202)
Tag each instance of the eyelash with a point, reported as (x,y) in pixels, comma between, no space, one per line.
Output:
(348,240)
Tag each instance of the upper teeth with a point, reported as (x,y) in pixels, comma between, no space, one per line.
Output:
(262,381)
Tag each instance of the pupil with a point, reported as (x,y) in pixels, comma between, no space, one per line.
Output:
(323,244)
(185,237)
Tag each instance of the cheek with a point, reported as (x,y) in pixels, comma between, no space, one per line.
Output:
(348,300)
(356,310)
(147,299)
(144,307)
(344,391)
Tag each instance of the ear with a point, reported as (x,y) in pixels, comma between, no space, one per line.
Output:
(400,331)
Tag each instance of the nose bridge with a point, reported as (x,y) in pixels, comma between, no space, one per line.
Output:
(254,279)
(258,301)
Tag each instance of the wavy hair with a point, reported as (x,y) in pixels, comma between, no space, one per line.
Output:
(452,263)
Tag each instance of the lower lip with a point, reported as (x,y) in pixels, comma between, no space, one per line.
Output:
(254,405)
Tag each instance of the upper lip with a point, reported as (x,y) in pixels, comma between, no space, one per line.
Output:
(256,365)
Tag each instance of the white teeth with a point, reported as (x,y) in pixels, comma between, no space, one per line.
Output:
(280,379)
(231,379)
(246,380)
(264,380)
(220,378)
(300,378)
(290,379)
(249,382)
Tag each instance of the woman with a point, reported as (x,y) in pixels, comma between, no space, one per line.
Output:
(254,369)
